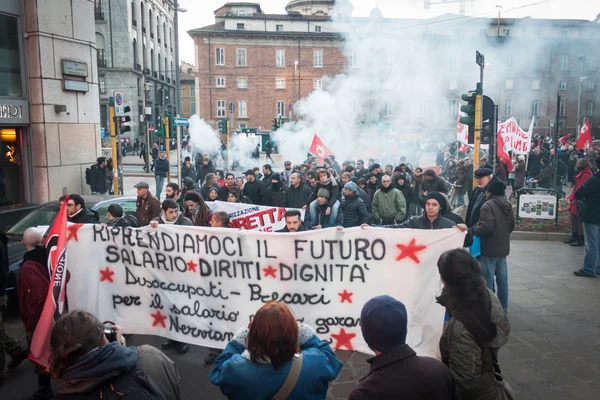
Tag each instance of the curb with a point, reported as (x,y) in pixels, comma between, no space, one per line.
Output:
(548,236)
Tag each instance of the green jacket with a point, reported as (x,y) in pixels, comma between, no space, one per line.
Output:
(390,205)
(471,366)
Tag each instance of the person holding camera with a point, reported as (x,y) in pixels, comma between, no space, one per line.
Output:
(92,361)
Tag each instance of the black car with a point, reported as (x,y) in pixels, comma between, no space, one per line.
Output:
(43,217)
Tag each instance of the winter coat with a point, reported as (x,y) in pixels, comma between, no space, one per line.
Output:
(496,222)
(355,211)
(266,179)
(204,190)
(147,209)
(255,191)
(99,179)
(435,185)
(323,219)
(500,172)
(240,378)
(297,197)
(139,372)
(188,172)
(161,167)
(545,177)
(334,192)
(471,365)
(274,197)
(401,374)
(462,178)
(474,207)
(224,192)
(388,206)
(580,179)
(520,175)
(203,170)
(181,220)
(32,286)
(84,216)
(534,165)
(423,222)
(124,221)
(589,192)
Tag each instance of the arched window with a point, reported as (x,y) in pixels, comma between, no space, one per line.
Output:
(142,15)
(144,58)
(150,21)
(165,33)
(135,54)
(158,27)
(100,50)
(170,37)
(152,60)
(172,72)
(133,21)
(159,64)
(166,69)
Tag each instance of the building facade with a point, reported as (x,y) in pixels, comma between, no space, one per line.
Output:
(136,57)
(49,111)
(259,65)
(188,90)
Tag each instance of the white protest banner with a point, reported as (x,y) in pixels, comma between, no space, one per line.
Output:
(252,217)
(516,139)
(200,285)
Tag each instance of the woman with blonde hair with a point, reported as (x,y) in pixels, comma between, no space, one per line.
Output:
(275,357)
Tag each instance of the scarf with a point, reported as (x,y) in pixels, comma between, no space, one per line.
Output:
(325,182)
(386,189)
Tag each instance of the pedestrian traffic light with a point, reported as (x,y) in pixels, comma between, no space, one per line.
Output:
(172,127)
(275,124)
(125,120)
(223,126)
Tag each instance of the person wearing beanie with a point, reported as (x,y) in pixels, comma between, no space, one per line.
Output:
(324,180)
(353,207)
(389,204)
(496,222)
(275,193)
(203,168)
(396,371)
(187,169)
(322,220)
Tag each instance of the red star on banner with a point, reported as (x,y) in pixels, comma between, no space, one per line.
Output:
(410,251)
(106,275)
(73,232)
(159,319)
(192,266)
(270,271)
(345,296)
(343,339)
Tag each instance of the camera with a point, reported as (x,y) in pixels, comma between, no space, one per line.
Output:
(110,333)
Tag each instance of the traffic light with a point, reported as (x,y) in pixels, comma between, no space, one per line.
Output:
(275,125)
(469,110)
(125,120)
(172,127)
(160,127)
(489,121)
(223,126)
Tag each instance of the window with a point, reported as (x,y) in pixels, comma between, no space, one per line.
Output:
(192,107)
(589,108)
(352,60)
(11,84)
(220,56)
(220,82)
(242,109)
(591,85)
(280,83)
(506,32)
(534,108)
(509,84)
(561,107)
(508,107)
(241,57)
(133,21)
(564,62)
(317,84)
(220,108)
(241,26)
(280,108)
(453,85)
(536,85)
(280,58)
(564,34)
(242,83)
(591,63)
(279,28)
(317,28)
(562,85)
(452,108)
(102,84)
(318,58)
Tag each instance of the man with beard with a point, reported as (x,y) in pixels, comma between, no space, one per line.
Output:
(293,222)
(483,176)
(275,195)
(297,193)
(253,188)
(389,204)
(174,193)
(286,173)
(267,174)
(229,184)
(77,213)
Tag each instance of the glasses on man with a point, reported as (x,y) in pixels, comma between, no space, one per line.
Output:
(70,204)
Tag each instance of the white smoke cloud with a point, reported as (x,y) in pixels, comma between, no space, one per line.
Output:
(202,135)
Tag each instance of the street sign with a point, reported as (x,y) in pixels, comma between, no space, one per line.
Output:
(102,132)
(248,130)
(181,121)
(119,104)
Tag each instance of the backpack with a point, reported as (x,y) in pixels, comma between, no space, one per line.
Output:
(88,175)
(135,385)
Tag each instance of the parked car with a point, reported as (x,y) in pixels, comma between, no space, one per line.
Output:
(43,217)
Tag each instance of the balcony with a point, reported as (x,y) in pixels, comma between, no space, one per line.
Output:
(98,14)
(101,56)
(162,77)
(134,22)
(137,67)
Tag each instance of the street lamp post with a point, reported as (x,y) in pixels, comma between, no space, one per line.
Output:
(581,79)
(178,87)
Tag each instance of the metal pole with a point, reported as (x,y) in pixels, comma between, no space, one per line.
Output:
(178,155)
(579,108)
(494,141)
(555,160)
(177,71)
(113,140)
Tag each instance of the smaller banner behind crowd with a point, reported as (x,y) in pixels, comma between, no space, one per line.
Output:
(200,285)
(515,139)
(252,217)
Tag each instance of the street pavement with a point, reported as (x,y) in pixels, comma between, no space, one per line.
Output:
(553,351)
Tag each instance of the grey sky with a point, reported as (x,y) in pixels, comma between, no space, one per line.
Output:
(201,12)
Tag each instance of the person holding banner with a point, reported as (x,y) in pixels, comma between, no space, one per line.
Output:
(275,357)
(326,181)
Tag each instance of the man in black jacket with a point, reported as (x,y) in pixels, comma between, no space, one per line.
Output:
(589,194)
(275,194)
(116,217)
(433,183)
(396,371)
(293,222)
(353,208)
(267,174)
(483,176)
(297,193)
(99,177)
(161,169)
(77,213)
(254,189)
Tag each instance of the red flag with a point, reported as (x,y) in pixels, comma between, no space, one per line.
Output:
(56,247)
(502,153)
(563,140)
(585,136)
(319,149)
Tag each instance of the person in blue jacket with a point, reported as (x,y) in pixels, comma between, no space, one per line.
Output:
(257,361)
(320,219)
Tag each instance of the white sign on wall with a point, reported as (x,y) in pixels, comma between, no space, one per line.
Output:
(537,206)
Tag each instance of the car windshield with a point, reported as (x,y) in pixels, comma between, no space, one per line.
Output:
(42,216)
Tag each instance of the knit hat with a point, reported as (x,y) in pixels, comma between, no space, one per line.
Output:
(323,193)
(440,199)
(383,322)
(206,159)
(495,187)
(249,172)
(276,177)
(188,182)
(351,186)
